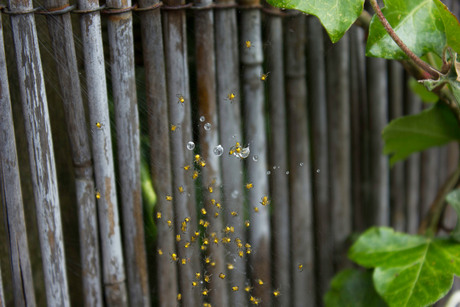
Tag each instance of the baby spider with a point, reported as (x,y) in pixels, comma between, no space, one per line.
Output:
(99,125)
(98,194)
(180,98)
(231,96)
(248,44)
(263,76)
(276,293)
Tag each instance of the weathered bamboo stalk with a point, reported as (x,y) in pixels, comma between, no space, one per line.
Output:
(41,152)
(121,45)
(359,131)
(302,266)
(60,29)
(378,116)
(429,179)
(279,183)
(254,135)
(228,99)
(10,185)
(2,296)
(318,105)
(397,190)
(412,182)
(112,253)
(160,163)
(338,106)
(209,142)
(179,104)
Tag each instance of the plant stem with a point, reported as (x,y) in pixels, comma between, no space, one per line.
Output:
(429,225)
(432,71)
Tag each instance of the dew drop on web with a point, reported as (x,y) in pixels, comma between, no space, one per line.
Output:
(218,150)
(190,145)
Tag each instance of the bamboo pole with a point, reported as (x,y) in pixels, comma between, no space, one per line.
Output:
(179,101)
(10,185)
(279,183)
(303,290)
(227,69)
(209,142)
(160,164)
(2,296)
(319,125)
(254,134)
(112,253)
(378,117)
(338,106)
(412,182)
(359,131)
(429,179)
(397,190)
(60,29)
(121,45)
(41,152)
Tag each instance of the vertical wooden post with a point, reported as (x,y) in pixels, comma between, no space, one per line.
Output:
(279,182)
(320,164)
(41,153)
(120,33)
(429,178)
(227,69)
(10,185)
(209,140)
(254,135)
(302,266)
(338,106)
(60,29)
(359,130)
(112,253)
(378,117)
(179,103)
(397,188)
(413,106)
(160,163)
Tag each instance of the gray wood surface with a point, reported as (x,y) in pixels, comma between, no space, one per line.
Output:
(277,155)
(60,29)
(121,46)
(41,153)
(10,185)
(101,140)
(160,164)
(227,71)
(302,248)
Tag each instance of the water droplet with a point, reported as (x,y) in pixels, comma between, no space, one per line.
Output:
(301,163)
(268,172)
(274,166)
(202,119)
(245,152)
(235,194)
(190,145)
(318,170)
(207,126)
(255,158)
(218,150)
(287,172)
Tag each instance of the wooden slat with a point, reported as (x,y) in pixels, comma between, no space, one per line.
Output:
(397,187)
(277,154)
(10,186)
(60,29)
(2,296)
(303,289)
(227,71)
(429,179)
(338,107)
(377,94)
(253,101)
(41,153)
(160,164)
(112,253)
(179,104)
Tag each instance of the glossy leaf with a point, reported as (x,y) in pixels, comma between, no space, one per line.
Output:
(435,126)
(336,16)
(409,270)
(353,288)
(453,198)
(423,25)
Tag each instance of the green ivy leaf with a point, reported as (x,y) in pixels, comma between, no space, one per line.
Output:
(453,198)
(409,270)
(423,25)
(435,126)
(353,288)
(336,16)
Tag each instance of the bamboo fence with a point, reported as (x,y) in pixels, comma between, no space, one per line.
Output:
(264,152)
